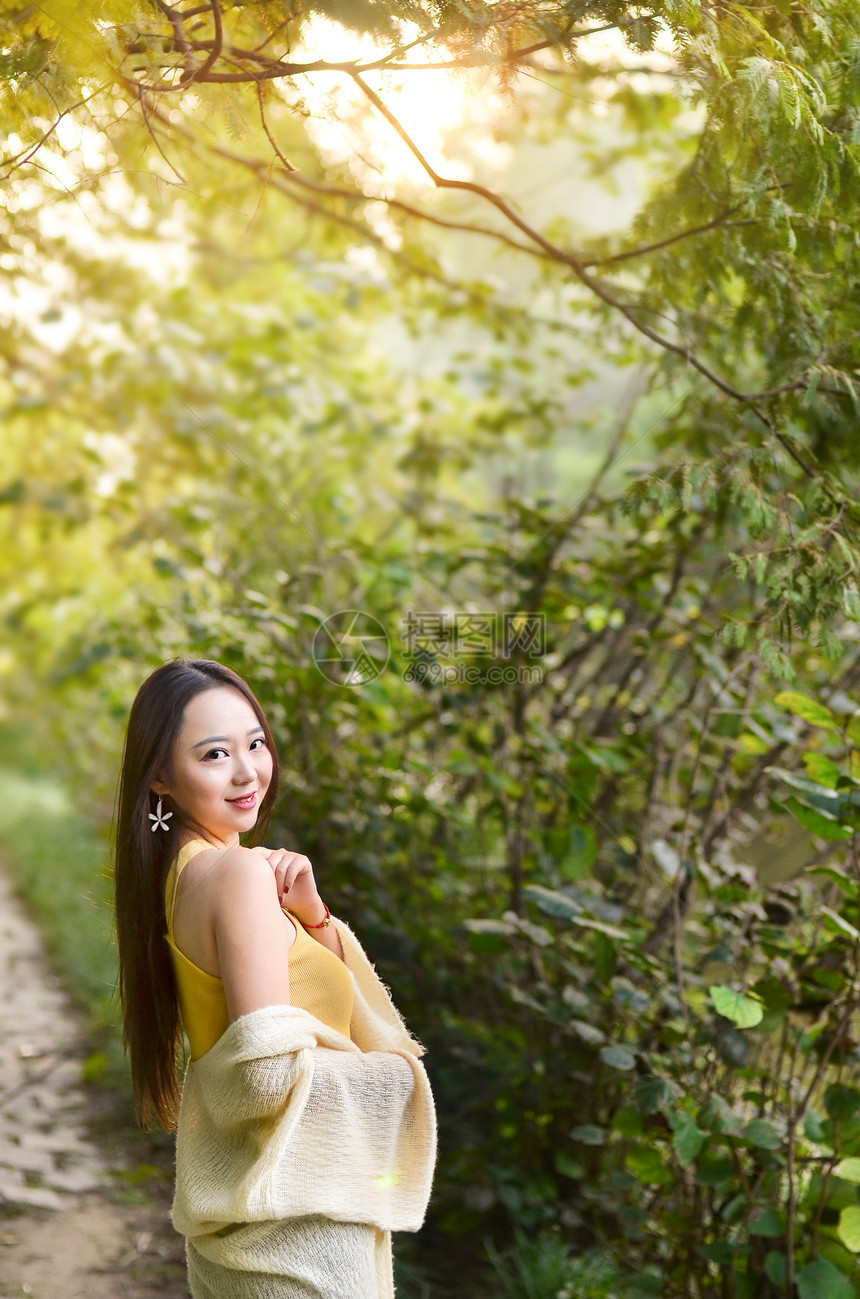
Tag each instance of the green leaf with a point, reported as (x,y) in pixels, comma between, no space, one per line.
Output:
(718,1251)
(487,944)
(841,1102)
(626,993)
(654,1093)
(735,1047)
(589,1033)
(848,1169)
(752,744)
(568,1166)
(821,769)
(813,1126)
(767,1223)
(837,876)
(840,1194)
(489,927)
(848,1230)
(719,1115)
(94,1066)
(715,1172)
(760,1133)
(644,1286)
(776,1267)
(605,957)
(488,937)
(736,1208)
(590,1134)
(608,756)
(834,921)
(822,796)
(611,930)
(688,1139)
(649,1165)
(552,902)
(627,1120)
(537,934)
(826,827)
(821,1280)
(741,1010)
(582,854)
(774,993)
(808,709)
(619,1056)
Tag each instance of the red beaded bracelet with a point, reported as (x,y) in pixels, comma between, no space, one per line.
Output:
(323,924)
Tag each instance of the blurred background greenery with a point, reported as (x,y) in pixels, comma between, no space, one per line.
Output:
(559,337)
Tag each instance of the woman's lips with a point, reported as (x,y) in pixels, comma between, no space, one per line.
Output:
(246,800)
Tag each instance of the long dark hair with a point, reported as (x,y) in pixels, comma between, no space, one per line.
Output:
(152,1030)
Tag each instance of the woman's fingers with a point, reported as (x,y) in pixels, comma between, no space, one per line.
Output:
(298,866)
(289,867)
(281,867)
(278,859)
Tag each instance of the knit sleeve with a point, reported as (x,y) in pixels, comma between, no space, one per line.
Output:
(285,1117)
(376,1022)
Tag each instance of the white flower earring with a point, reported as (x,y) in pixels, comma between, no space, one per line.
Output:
(159,819)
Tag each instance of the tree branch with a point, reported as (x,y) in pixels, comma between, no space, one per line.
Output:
(468,227)
(271,68)
(718,221)
(200,73)
(143,106)
(577,266)
(289,167)
(365,233)
(29,152)
(552,251)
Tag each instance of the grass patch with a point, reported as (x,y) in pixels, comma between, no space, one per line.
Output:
(59,864)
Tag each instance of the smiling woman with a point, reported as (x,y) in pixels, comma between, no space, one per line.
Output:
(217,778)
(166,761)
(297,1050)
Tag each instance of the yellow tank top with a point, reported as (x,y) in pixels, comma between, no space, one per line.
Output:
(319,980)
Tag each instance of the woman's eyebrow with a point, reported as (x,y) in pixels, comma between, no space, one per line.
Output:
(212,738)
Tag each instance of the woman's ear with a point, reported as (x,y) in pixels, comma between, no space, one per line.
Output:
(159,787)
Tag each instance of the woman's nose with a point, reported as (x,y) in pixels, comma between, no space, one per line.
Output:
(243,771)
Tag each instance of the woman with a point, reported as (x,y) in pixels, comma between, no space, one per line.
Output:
(305,1125)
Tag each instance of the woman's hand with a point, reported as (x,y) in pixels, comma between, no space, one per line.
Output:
(297,889)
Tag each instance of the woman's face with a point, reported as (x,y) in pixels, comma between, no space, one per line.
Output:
(221,766)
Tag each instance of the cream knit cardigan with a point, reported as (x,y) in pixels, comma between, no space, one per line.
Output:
(284,1117)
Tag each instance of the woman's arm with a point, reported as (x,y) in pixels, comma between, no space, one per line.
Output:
(312,915)
(252,934)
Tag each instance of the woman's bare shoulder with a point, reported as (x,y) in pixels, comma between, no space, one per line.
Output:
(244,889)
(230,898)
(220,876)
(221,862)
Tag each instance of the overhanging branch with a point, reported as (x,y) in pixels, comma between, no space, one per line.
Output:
(268,69)
(597,287)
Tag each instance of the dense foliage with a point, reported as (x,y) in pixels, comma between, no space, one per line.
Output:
(616,886)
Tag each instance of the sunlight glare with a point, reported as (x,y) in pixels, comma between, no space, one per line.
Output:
(430,105)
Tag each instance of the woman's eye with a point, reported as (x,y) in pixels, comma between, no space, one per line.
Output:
(213,752)
(259,740)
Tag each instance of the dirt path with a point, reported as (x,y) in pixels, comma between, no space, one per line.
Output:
(84,1198)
